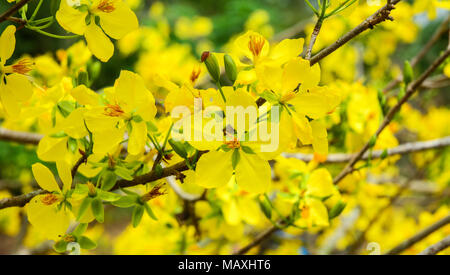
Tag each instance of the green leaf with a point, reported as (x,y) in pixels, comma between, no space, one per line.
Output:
(86,243)
(150,211)
(81,228)
(123,173)
(336,210)
(83,207)
(125,201)
(247,150)
(60,246)
(107,196)
(98,210)
(65,108)
(72,144)
(266,206)
(178,147)
(235,158)
(108,180)
(136,217)
(408,73)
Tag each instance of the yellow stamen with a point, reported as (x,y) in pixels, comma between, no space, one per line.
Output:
(49,199)
(256,45)
(195,74)
(69,238)
(305,212)
(24,66)
(113,110)
(155,192)
(106,6)
(233,144)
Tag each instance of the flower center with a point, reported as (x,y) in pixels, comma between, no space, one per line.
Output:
(24,66)
(106,6)
(113,110)
(155,192)
(256,44)
(49,199)
(305,212)
(195,74)
(233,144)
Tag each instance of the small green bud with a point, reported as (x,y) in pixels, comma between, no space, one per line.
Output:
(372,141)
(235,157)
(98,210)
(230,68)
(212,65)
(402,91)
(336,210)
(408,73)
(265,206)
(178,147)
(94,68)
(384,154)
(83,78)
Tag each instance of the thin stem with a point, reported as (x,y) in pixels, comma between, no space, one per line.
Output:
(314,35)
(36,10)
(51,34)
(13,10)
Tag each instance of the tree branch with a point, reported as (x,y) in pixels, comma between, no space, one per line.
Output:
(439,32)
(437,247)
(419,236)
(390,115)
(20,137)
(399,150)
(259,239)
(13,10)
(373,20)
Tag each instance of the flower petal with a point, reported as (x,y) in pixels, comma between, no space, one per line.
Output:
(7,43)
(44,177)
(214,169)
(119,22)
(98,43)
(253,174)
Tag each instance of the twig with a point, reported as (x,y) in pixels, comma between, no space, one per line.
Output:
(437,247)
(12,10)
(354,247)
(373,20)
(20,137)
(314,35)
(390,115)
(260,238)
(143,179)
(439,32)
(399,150)
(419,236)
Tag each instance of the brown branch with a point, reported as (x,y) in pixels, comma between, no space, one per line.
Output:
(381,15)
(143,179)
(439,32)
(437,247)
(376,154)
(13,10)
(314,35)
(419,236)
(20,137)
(390,115)
(259,239)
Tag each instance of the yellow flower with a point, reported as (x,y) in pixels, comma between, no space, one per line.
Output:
(49,213)
(304,102)
(15,87)
(313,211)
(129,102)
(114,17)
(253,50)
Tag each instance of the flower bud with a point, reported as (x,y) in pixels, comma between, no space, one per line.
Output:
(83,78)
(212,65)
(408,73)
(230,68)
